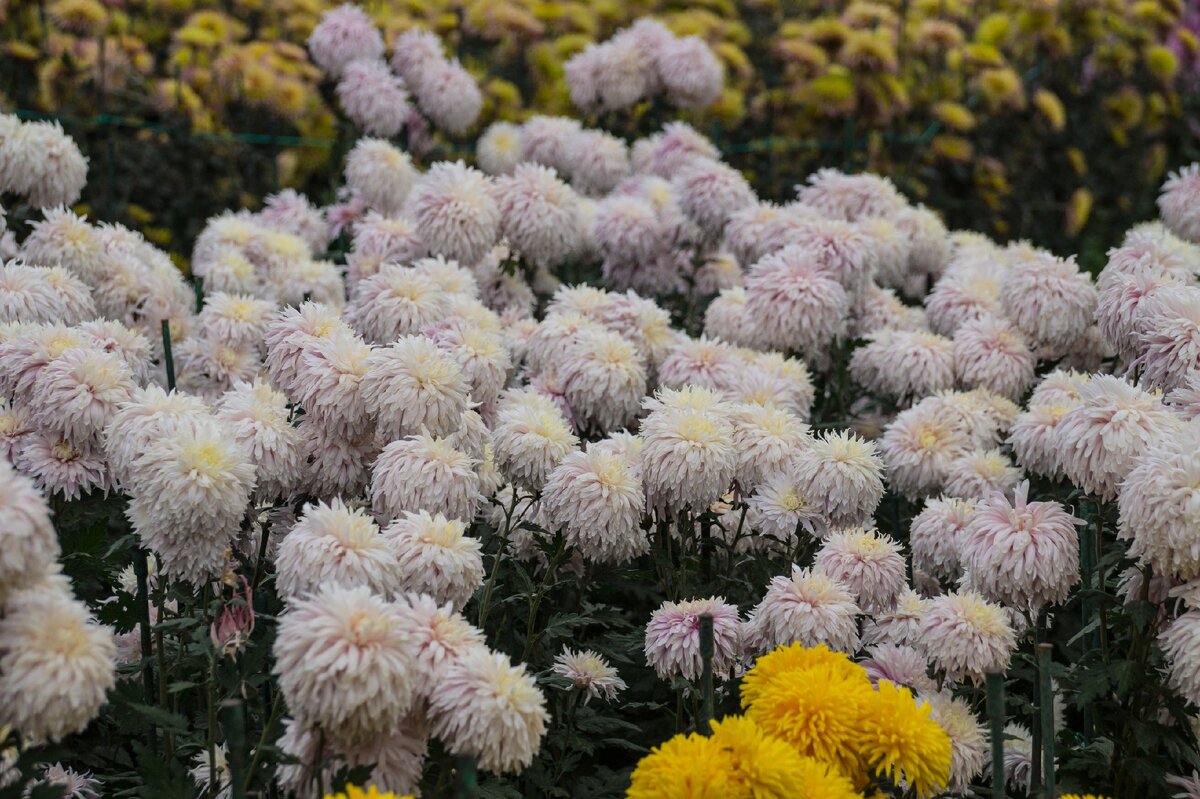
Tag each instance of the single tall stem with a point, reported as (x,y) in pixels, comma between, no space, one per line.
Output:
(996,716)
(1046,709)
(707,651)
(143,600)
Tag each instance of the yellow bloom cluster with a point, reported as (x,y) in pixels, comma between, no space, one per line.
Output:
(355,792)
(814,726)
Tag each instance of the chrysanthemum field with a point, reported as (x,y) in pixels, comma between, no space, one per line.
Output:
(561,447)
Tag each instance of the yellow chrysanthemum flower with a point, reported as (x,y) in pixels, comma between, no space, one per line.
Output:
(355,792)
(900,739)
(685,767)
(784,661)
(763,767)
(1082,796)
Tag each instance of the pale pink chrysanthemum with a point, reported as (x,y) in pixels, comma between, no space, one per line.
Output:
(983,416)
(669,150)
(962,297)
(441,635)
(128,344)
(760,385)
(422,472)
(599,161)
(293,333)
(935,536)
(63,239)
(455,211)
(1023,554)
(450,276)
(978,474)
(868,564)
(76,394)
(899,665)
(381,174)
(611,75)
(27,294)
(345,661)
(590,673)
(1158,501)
(964,635)
(1177,202)
(627,229)
(1034,439)
(498,150)
(337,463)
(900,625)
(58,665)
(412,386)
(748,231)
(531,437)
(990,353)
(688,458)
(709,191)
(793,303)
(344,34)
(329,380)
(336,545)
(968,740)
(1180,641)
(373,98)
(539,214)
(394,759)
(1122,305)
(480,355)
(1149,250)
(840,196)
(691,73)
(1169,340)
(210,367)
(448,95)
(380,240)
(794,373)
(672,644)
(27,350)
(1111,427)
(58,170)
(413,51)
(880,309)
(436,557)
(726,318)
(780,508)
(150,414)
(226,269)
(844,476)
(545,140)
(918,448)
(840,247)
(644,323)
(891,251)
(904,365)
(484,707)
(16,425)
(72,783)
(258,418)
(238,320)
(603,378)
(928,238)
(765,440)
(719,271)
(30,542)
(807,607)
(62,467)
(703,362)
(1049,300)
(596,498)
(1060,387)
(290,211)
(1184,399)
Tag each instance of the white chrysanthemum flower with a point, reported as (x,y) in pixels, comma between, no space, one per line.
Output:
(1180,642)
(74,784)
(449,96)
(672,643)
(1177,202)
(58,170)
(670,149)
(1111,427)
(968,739)
(335,545)
(611,76)
(935,536)
(380,240)
(338,464)
(59,466)
(226,269)
(701,362)
(981,473)
(1049,300)
(603,378)
(380,174)
(880,309)
(599,162)
(1122,306)
(904,365)
(1158,506)
(843,474)
(1169,343)
(544,140)
(422,472)
(344,34)
(345,661)
(329,379)
(1060,387)
(201,773)
(413,51)
(395,301)
(43,294)
(455,212)
(807,607)
(899,665)
(644,323)
(765,439)
(58,665)
(258,418)
(63,239)
(292,334)
(960,297)
(688,459)
(373,98)
(690,71)
(918,448)
(539,214)
(1024,554)
(590,673)
(990,353)
(238,320)
(964,635)
(627,229)
(28,543)
(793,303)
(292,212)
(412,387)
(480,355)
(596,498)
(901,625)
(188,493)
(436,557)
(709,191)
(1034,439)
(531,437)
(867,563)
(76,394)
(440,633)
(150,415)
(498,150)
(781,506)
(131,346)
(448,275)
(849,197)
(484,707)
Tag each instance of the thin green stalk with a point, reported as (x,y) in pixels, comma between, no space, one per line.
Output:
(996,717)
(706,675)
(143,600)
(1046,709)
(272,719)
(161,658)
